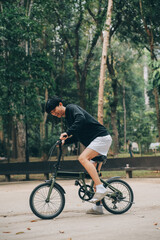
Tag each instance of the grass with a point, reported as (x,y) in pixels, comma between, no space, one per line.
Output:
(105,174)
(125,155)
(135,174)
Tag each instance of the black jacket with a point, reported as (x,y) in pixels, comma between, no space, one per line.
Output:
(82,126)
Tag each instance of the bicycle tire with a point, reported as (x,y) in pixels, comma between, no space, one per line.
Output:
(43,209)
(121,203)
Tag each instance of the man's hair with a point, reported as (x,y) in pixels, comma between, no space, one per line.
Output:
(52,103)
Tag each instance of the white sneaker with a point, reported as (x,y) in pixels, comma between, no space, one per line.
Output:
(98,196)
(98,211)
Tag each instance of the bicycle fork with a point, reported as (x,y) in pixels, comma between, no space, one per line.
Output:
(50,189)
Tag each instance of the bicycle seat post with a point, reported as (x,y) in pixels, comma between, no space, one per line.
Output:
(97,166)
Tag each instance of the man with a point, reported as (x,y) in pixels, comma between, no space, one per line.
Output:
(130,148)
(84,128)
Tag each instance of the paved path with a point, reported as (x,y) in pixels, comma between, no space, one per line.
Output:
(141,222)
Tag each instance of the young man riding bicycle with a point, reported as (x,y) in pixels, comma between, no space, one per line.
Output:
(84,128)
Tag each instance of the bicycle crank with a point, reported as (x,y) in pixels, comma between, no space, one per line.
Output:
(86,193)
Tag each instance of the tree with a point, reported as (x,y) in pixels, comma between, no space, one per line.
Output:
(140,26)
(54,47)
(106,35)
(151,25)
(79,24)
(25,73)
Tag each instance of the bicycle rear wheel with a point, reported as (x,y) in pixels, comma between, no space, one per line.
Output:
(47,209)
(120,197)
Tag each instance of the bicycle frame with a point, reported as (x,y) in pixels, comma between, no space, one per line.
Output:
(80,176)
(47,200)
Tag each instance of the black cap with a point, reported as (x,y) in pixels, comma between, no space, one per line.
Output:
(52,103)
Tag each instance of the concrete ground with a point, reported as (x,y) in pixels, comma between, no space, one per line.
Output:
(141,222)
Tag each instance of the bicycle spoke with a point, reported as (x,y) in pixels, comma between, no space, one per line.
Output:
(120,197)
(41,206)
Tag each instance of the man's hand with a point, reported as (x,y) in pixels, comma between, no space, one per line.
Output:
(62,143)
(64,136)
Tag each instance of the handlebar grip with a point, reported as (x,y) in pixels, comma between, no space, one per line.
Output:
(59,142)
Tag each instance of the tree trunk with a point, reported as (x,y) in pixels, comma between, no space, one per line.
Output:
(42,125)
(115,131)
(14,140)
(1,131)
(21,140)
(103,61)
(81,93)
(43,128)
(124,114)
(22,128)
(113,104)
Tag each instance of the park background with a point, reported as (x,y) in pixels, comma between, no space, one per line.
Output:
(54,48)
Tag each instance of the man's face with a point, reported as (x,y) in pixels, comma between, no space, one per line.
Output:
(59,111)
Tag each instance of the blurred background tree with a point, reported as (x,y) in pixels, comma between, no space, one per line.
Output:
(54,48)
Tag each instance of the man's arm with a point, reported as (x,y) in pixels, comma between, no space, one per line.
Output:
(71,140)
(79,120)
(68,139)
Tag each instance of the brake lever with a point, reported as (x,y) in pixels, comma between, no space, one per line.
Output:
(59,142)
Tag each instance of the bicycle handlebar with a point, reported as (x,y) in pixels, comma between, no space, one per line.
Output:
(59,142)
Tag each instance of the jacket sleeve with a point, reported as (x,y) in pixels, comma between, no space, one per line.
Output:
(79,121)
(71,140)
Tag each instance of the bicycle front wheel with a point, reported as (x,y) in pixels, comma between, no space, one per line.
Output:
(119,198)
(43,208)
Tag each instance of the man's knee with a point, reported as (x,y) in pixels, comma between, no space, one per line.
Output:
(82,159)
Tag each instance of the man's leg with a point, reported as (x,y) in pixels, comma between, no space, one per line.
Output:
(97,208)
(84,159)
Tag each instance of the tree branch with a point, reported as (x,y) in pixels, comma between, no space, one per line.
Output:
(63,33)
(76,57)
(95,39)
(91,13)
(148,31)
(99,7)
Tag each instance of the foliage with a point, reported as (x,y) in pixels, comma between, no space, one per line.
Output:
(155,79)
(56,46)
(24,77)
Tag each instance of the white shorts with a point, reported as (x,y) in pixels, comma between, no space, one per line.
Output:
(101,144)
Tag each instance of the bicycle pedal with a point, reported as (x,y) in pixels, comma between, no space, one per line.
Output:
(76,183)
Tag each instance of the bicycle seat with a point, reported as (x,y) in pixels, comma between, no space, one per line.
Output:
(100,158)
